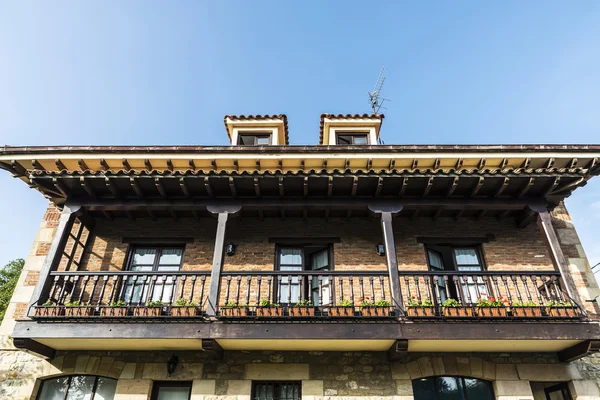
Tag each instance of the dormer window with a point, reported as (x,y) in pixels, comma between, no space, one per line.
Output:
(257,130)
(350,130)
(245,139)
(352,138)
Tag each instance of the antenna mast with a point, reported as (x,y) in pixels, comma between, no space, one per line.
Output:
(375,96)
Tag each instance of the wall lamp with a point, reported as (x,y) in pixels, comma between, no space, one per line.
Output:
(380,249)
(230,249)
(172,364)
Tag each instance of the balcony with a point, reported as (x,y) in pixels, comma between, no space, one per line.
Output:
(308,296)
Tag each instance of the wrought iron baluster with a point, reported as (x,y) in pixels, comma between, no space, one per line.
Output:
(182,291)
(94,285)
(270,294)
(301,283)
(72,294)
(83,288)
(330,285)
(133,280)
(258,279)
(407,282)
(144,279)
(341,293)
(417,280)
(62,290)
(320,280)
(381,279)
(289,299)
(237,289)
(163,281)
(494,280)
(174,287)
(534,281)
(527,291)
(372,288)
(227,288)
(194,287)
(113,288)
(506,287)
(516,285)
(362,289)
(102,289)
(249,282)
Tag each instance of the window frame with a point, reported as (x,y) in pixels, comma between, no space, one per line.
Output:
(156,385)
(462,385)
(352,135)
(256,136)
(159,247)
(275,385)
(478,247)
(70,377)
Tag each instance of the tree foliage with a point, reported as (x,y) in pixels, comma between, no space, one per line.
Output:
(9,275)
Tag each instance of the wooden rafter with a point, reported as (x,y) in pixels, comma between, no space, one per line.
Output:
(112,188)
(458,214)
(392,164)
(256,187)
(152,215)
(459,164)
(453,187)
(354,186)
(148,164)
(192,165)
(86,186)
(437,214)
(403,186)
(281,188)
(104,164)
(160,188)
(126,164)
(136,188)
(82,165)
(330,186)
(184,187)
(428,187)
(170,165)
(478,186)
(379,187)
(527,187)
(232,188)
(60,165)
(552,186)
(59,185)
(502,187)
(305,187)
(207,186)
(37,165)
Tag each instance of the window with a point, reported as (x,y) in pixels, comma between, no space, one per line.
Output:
(152,259)
(452,388)
(457,258)
(280,390)
(78,387)
(171,390)
(352,138)
(254,140)
(304,258)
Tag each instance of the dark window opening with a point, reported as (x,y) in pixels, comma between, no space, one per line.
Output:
(304,258)
(457,258)
(254,140)
(352,138)
(278,390)
(171,390)
(452,388)
(551,391)
(87,387)
(152,259)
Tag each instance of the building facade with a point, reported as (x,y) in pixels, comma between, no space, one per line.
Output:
(348,269)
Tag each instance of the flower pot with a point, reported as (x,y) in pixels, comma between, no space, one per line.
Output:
(375,311)
(301,311)
(457,311)
(147,311)
(413,311)
(49,311)
(113,311)
(79,311)
(563,312)
(269,312)
(341,311)
(492,311)
(526,312)
(186,311)
(234,311)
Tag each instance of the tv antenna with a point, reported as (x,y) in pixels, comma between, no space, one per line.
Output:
(375,96)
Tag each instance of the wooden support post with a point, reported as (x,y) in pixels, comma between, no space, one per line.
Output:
(65,224)
(556,253)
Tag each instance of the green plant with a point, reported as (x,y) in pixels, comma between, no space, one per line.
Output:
(345,303)
(366,303)
(559,303)
(9,275)
(48,303)
(415,302)
(155,303)
(523,304)
(76,303)
(233,304)
(492,302)
(451,303)
(184,303)
(382,303)
(303,303)
(118,303)
(267,303)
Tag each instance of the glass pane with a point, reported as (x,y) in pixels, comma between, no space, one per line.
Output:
(170,256)
(105,390)
(173,393)
(291,256)
(424,389)
(466,257)
(247,140)
(341,139)
(360,140)
(448,388)
(320,259)
(478,389)
(435,260)
(54,389)
(81,387)
(144,256)
(262,140)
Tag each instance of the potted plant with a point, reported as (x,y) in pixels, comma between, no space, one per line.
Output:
(562,309)
(343,309)
(420,308)
(152,309)
(49,309)
(115,309)
(492,307)
(302,309)
(452,308)
(267,309)
(77,309)
(232,309)
(381,308)
(184,308)
(525,309)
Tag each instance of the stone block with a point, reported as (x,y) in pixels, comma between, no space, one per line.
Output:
(240,388)
(128,371)
(22,294)
(105,364)
(507,372)
(312,388)
(584,390)
(399,371)
(277,372)
(133,389)
(414,370)
(438,366)
(188,371)
(489,370)
(509,390)
(92,365)
(81,363)
(202,388)
(404,387)
(548,372)
(155,371)
(425,365)
(476,367)
(464,366)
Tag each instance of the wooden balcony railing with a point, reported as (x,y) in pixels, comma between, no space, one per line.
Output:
(308,294)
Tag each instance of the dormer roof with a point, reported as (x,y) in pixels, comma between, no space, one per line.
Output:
(368,120)
(258,121)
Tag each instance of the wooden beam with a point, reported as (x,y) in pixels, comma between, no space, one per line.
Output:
(459,214)
(503,214)
(159,187)
(36,164)
(526,188)
(572,164)
(232,188)
(578,351)
(305,187)
(236,165)
(280,185)
(82,165)
(330,186)
(526,163)
(398,350)
(525,218)
(86,186)
(550,163)
(481,164)
(213,163)
(256,187)
(392,164)
(403,186)
(414,164)
(108,215)
(104,164)
(437,214)
(207,186)
(436,164)
(148,164)
(258,165)
(193,165)
(152,214)
(453,187)
(504,163)
(184,187)
(170,165)
(553,186)
(136,188)
(36,348)
(428,187)
(459,164)
(392,260)
(556,253)
(126,164)
(347,164)
(478,186)
(379,187)
(60,165)
(217,265)
(354,186)
(59,185)
(502,187)
(57,247)
(369,164)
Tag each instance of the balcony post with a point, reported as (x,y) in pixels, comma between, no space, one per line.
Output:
(390,251)
(218,255)
(556,253)
(55,252)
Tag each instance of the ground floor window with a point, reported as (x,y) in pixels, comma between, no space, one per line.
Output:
(277,390)
(452,388)
(171,390)
(78,387)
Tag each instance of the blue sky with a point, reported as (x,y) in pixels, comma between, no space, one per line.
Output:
(152,72)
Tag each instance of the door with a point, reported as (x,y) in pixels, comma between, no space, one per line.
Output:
(467,259)
(319,261)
